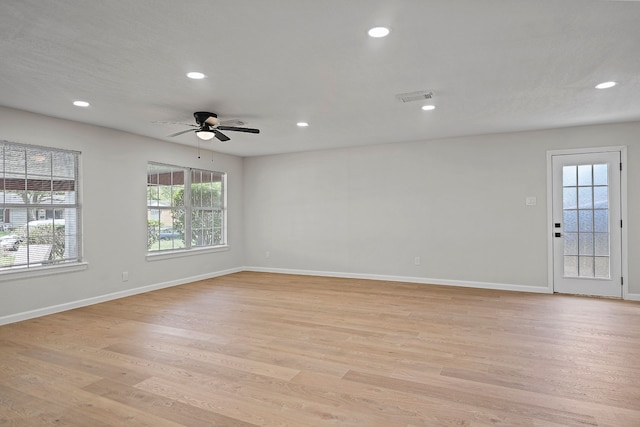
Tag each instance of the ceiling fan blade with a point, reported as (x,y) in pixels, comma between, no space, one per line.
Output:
(173,123)
(221,136)
(231,122)
(181,132)
(237,129)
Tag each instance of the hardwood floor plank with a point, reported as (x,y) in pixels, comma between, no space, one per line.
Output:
(445,394)
(604,414)
(170,409)
(89,409)
(25,367)
(264,409)
(21,409)
(398,406)
(78,363)
(223,361)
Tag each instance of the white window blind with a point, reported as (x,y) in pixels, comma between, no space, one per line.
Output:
(40,199)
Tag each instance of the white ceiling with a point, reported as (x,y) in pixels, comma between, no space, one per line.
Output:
(493,66)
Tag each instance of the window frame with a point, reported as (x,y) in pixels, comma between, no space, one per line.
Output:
(53,183)
(189,247)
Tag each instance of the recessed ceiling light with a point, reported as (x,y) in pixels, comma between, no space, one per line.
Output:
(81,103)
(428,107)
(196,75)
(378,32)
(302,124)
(606,85)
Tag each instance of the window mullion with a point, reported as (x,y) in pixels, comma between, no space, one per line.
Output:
(187,208)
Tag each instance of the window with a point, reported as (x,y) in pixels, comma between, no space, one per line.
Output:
(39,200)
(185,208)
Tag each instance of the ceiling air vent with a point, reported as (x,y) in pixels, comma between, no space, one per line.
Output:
(420,95)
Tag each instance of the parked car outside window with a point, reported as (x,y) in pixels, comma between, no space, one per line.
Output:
(10,242)
(169,234)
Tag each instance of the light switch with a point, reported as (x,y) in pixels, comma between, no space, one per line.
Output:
(530,201)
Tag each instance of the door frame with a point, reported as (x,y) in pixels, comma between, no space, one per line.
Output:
(622,149)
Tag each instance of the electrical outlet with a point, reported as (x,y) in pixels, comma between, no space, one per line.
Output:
(416,260)
(530,201)
(125,276)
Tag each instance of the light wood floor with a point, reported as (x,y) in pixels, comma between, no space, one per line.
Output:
(275,350)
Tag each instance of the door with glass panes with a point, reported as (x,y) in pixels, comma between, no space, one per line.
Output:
(587,224)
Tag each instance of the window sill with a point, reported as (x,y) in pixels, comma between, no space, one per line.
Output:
(185,252)
(24,273)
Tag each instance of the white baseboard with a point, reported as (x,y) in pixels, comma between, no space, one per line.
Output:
(632,297)
(12,318)
(129,292)
(426,281)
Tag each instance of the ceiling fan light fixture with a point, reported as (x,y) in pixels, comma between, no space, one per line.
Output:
(205,135)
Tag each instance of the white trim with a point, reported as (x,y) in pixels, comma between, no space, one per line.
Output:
(156,256)
(408,279)
(108,297)
(613,148)
(17,273)
(625,224)
(550,260)
(632,297)
(622,149)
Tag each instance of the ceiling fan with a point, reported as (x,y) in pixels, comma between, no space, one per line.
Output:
(209,126)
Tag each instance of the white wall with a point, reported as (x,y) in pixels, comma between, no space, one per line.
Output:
(113,179)
(458,204)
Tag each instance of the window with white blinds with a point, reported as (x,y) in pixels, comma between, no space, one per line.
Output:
(40,205)
(185,208)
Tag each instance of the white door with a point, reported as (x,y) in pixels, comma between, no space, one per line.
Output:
(587,246)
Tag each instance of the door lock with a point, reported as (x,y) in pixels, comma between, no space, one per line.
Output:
(558,234)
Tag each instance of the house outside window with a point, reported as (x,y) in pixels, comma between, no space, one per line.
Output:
(185,208)
(40,206)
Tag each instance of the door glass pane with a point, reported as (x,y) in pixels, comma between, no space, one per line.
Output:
(602,269)
(601,197)
(570,218)
(571,243)
(584,175)
(585,198)
(600,175)
(585,266)
(585,220)
(601,244)
(601,221)
(585,244)
(569,176)
(569,198)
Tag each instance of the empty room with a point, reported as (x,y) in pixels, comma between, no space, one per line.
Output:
(332,213)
